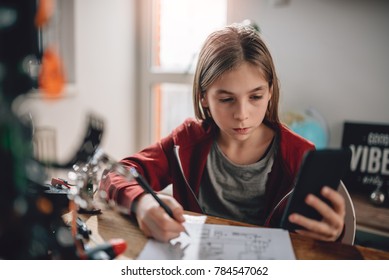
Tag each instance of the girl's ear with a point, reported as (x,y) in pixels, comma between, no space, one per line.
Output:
(204,101)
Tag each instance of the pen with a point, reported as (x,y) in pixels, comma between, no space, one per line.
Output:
(143,183)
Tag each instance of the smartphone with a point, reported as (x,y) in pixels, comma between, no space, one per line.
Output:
(319,168)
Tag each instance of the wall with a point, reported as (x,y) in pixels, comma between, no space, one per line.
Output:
(104,80)
(330,55)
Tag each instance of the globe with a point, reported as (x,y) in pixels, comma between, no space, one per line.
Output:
(310,125)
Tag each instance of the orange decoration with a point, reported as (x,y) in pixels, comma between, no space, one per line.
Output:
(44,12)
(51,77)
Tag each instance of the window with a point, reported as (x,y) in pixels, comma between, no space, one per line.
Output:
(172,32)
(179,29)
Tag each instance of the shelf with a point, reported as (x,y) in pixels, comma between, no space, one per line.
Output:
(370,218)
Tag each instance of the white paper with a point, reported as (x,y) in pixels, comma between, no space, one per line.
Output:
(222,242)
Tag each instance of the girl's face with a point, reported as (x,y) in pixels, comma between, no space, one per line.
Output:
(238,102)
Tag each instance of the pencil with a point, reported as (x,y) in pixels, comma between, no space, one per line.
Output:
(145,185)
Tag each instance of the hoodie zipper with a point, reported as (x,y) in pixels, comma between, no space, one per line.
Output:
(176,152)
(277,206)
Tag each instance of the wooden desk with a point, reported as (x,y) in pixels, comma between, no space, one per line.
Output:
(111,224)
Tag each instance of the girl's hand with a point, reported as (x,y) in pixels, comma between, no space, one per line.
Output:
(331,226)
(155,222)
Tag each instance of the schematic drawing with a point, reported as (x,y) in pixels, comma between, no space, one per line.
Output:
(221,242)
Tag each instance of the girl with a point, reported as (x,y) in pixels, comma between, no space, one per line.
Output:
(236,160)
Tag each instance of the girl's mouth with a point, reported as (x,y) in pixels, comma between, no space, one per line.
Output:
(241,130)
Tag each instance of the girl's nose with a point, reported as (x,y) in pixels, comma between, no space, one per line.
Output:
(240,112)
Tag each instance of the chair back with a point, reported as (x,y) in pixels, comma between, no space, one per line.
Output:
(350,219)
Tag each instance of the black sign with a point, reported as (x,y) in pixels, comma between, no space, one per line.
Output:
(369,144)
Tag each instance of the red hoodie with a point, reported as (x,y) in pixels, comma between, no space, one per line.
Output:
(180,158)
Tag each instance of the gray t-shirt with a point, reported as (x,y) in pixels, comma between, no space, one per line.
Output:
(235,191)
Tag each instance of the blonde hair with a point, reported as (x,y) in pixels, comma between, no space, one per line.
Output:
(226,49)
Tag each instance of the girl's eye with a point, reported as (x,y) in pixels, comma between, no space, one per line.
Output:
(226,100)
(256,97)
